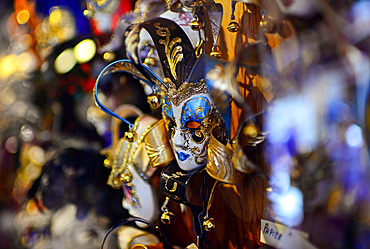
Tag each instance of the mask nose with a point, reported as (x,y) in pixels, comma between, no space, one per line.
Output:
(179,138)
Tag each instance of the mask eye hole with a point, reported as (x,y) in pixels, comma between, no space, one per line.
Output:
(170,126)
(192,125)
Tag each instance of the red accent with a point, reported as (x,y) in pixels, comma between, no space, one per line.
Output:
(95,30)
(71,89)
(124,6)
(85,67)
(40,205)
(186,18)
(88,85)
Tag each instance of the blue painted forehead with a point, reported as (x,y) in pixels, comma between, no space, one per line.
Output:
(196,109)
(167,108)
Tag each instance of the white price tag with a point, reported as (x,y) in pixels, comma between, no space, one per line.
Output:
(280,236)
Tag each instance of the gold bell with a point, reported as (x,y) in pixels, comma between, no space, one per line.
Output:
(88,13)
(130,136)
(196,25)
(154,101)
(109,56)
(179,5)
(208,224)
(215,53)
(116,183)
(195,3)
(126,177)
(233,26)
(250,130)
(150,61)
(166,217)
(107,163)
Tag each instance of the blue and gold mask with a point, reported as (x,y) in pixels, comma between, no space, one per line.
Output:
(190,116)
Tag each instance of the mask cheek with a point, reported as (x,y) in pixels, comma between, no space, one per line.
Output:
(199,153)
(179,138)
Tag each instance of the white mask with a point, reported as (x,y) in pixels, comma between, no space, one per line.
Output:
(190,116)
(143,201)
(132,159)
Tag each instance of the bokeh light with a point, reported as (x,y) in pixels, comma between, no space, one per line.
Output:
(8,66)
(8,96)
(23,16)
(85,50)
(354,136)
(65,61)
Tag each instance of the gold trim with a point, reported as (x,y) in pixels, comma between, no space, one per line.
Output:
(120,167)
(186,90)
(220,165)
(200,155)
(173,52)
(139,246)
(173,188)
(157,145)
(174,175)
(124,110)
(155,153)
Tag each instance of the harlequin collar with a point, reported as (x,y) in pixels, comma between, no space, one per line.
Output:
(174,182)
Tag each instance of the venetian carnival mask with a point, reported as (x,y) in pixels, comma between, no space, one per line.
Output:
(131,170)
(133,162)
(190,115)
(187,109)
(140,199)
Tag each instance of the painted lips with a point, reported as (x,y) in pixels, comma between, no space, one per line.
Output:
(182,156)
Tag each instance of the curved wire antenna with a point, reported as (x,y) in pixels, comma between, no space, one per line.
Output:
(101,106)
(123,65)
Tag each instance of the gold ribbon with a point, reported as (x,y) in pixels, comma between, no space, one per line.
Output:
(220,164)
(157,145)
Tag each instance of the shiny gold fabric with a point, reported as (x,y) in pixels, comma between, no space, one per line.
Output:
(157,145)
(220,165)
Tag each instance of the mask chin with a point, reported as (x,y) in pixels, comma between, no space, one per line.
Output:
(189,167)
(148,211)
